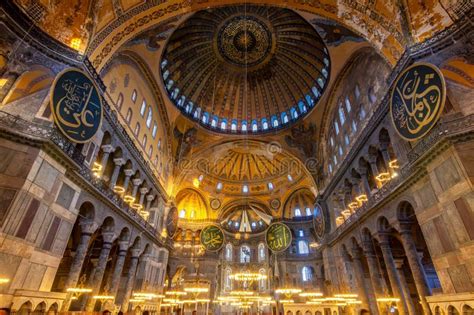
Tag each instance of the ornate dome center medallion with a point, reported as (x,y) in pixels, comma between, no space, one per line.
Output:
(244,41)
(245,69)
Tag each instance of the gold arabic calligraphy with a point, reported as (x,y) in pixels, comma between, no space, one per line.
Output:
(212,238)
(278,237)
(417,102)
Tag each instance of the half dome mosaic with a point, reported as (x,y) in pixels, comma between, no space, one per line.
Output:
(245,69)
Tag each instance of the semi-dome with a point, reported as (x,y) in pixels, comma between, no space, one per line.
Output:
(245,69)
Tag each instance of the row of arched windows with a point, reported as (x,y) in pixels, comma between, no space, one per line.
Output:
(245,253)
(234,125)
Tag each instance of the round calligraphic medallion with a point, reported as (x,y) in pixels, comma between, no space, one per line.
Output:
(417,100)
(212,238)
(172,222)
(318,221)
(76,105)
(278,237)
(215,204)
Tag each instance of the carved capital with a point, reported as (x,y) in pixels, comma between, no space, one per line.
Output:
(108,148)
(137,181)
(119,161)
(129,172)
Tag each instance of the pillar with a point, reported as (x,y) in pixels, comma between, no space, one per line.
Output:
(107,149)
(118,164)
(128,175)
(149,199)
(375,170)
(365,182)
(392,271)
(99,271)
(136,182)
(131,279)
(143,192)
(362,287)
(87,229)
(117,273)
(404,287)
(415,264)
(374,269)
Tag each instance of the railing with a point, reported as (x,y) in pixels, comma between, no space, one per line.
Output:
(448,128)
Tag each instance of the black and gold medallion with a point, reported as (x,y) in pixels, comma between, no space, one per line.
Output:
(76,105)
(212,238)
(278,237)
(172,222)
(417,100)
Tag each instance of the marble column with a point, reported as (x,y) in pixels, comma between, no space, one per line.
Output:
(365,181)
(385,155)
(106,149)
(87,229)
(375,170)
(404,287)
(374,269)
(136,183)
(415,264)
(149,199)
(128,175)
(118,164)
(117,273)
(362,286)
(141,272)
(130,280)
(143,192)
(100,268)
(392,271)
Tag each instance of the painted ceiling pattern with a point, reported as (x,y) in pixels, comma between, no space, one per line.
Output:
(245,68)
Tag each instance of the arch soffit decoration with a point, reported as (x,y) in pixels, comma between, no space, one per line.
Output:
(136,61)
(226,208)
(388,39)
(293,194)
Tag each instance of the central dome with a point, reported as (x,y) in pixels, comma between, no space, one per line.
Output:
(245,69)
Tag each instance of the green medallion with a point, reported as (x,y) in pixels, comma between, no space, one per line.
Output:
(212,238)
(76,105)
(278,237)
(417,100)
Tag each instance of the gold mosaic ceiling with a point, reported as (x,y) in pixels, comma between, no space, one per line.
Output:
(246,68)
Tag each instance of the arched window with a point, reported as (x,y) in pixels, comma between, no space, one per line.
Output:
(219,186)
(150,151)
(362,112)
(264,124)
(306,274)
(315,92)
(297,212)
(119,102)
(309,100)
(336,127)
(214,122)
(340,150)
(354,126)
(245,189)
(284,117)
(303,248)
(228,252)
(244,125)
(169,85)
(325,72)
(270,186)
(228,280)
(330,168)
(205,118)
(290,178)
(294,113)
(166,74)
(300,233)
(180,103)
(308,211)
(159,144)
(275,122)
(175,93)
(137,129)
(357,91)
(244,254)
(254,126)
(154,130)
(144,141)
(182,213)
(223,124)
(321,82)
(262,283)
(346,139)
(164,63)
(134,96)
(128,118)
(342,116)
(143,108)
(302,107)
(197,113)
(331,140)
(261,252)
(233,126)
(149,117)
(348,104)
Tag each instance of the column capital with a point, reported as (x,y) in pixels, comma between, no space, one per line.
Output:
(384,238)
(119,161)
(405,226)
(150,197)
(398,263)
(144,190)
(88,227)
(356,253)
(129,172)
(137,181)
(123,245)
(108,237)
(108,148)
(136,252)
